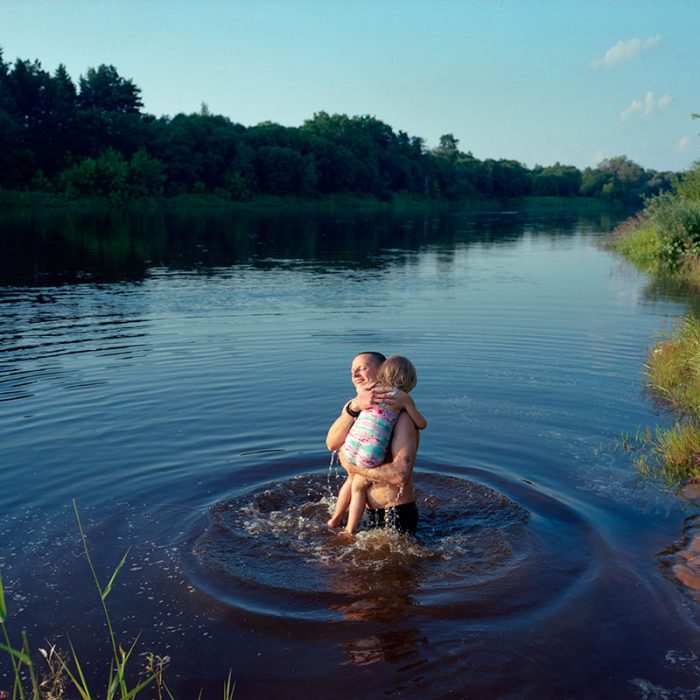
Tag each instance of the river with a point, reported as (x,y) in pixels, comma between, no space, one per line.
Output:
(175,373)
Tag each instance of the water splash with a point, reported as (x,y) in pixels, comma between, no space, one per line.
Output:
(476,552)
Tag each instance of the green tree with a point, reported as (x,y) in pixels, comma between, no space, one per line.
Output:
(448,147)
(104,89)
(556,181)
(200,149)
(145,175)
(282,170)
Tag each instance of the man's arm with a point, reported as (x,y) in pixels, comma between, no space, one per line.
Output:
(339,430)
(404,444)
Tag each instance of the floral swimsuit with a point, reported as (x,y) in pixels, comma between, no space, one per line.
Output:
(368,439)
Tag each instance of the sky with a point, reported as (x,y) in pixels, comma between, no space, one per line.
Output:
(537,81)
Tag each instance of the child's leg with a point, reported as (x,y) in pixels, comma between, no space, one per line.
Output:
(357,503)
(341,505)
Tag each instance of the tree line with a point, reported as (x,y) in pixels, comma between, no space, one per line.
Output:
(94,139)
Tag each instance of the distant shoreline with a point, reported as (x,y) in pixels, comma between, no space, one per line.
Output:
(12,199)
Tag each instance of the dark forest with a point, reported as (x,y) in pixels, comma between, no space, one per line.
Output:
(93,139)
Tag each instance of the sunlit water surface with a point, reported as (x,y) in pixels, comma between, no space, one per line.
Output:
(176,376)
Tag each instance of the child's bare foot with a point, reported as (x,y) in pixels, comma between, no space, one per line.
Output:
(334,522)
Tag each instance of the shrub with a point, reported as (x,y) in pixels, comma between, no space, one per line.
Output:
(104,176)
(688,186)
(678,222)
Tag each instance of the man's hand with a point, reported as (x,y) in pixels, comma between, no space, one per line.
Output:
(399,469)
(366,398)
(398,400)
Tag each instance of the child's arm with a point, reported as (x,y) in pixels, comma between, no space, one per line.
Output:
(402,401)
(415,415)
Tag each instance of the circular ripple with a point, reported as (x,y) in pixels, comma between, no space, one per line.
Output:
(479,553)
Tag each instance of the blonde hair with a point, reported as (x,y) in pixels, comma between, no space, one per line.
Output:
(397,372)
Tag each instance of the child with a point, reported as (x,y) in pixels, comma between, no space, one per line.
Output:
(368,439)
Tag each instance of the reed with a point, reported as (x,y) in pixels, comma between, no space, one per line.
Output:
(64,671)
(639,240)
(671,455)
(673,377)
(673,368)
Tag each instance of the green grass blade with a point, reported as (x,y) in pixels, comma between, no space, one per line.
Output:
(17,654)
(139,687)
(121,668)
(85,546)
(110,691)
(30,665)
(3,607)
(113,683)
(81,686)
(126,655)
(229,689)
(97,583)
(17,687)
(83,691)
(108,587)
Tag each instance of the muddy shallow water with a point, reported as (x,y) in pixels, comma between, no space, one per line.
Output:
(176,375)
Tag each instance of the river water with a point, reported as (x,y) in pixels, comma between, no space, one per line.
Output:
(175,373)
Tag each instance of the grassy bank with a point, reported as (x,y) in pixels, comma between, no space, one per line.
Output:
(673,376)
(664,241)
(404,202)
(10,200)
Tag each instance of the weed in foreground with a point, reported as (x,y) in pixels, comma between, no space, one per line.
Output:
(671,455)
(64,671)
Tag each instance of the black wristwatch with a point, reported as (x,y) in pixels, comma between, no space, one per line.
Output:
(350,412)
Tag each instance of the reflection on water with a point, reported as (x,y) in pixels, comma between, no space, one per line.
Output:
(111,245)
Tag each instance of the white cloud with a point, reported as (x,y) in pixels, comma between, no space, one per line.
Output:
(664,101)
(647,106)
(626,50)
(683,145)
(635,106)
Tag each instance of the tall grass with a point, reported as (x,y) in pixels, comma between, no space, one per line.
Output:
(65,671)
(639,240)
(673,368)
(671,455)
(673,377)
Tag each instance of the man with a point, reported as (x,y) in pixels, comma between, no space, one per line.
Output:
(390,497)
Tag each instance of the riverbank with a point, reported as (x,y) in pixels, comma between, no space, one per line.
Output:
(664,240)
(14,200)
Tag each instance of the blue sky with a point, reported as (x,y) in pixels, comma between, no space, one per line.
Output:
(538,81)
